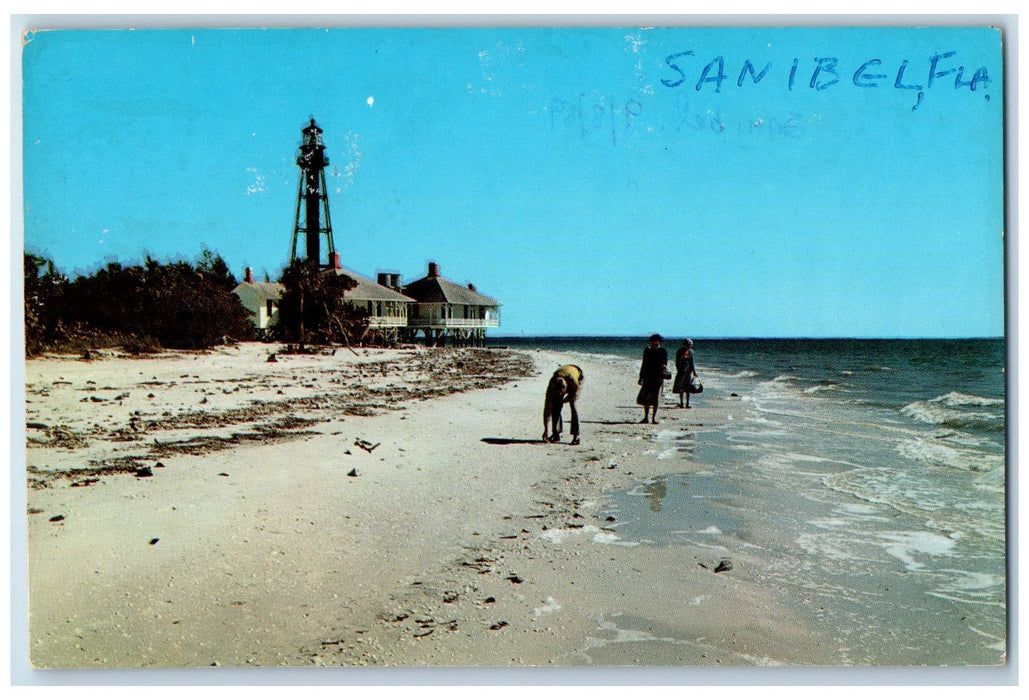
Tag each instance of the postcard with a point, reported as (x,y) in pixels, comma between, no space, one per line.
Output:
(507,346)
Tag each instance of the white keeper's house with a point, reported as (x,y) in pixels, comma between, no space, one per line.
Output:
(442,308)
(435,307)
(261,299)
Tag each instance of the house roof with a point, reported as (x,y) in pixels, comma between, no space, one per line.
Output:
(429,289)
(368,289)
(436,289)
(264,290)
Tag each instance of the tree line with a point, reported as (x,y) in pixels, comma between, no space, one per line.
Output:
(179,305)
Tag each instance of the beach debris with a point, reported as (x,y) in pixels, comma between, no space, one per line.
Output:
(154,541)
(481,564)
(514,578)
(144,471)
(57,518)
(450,597)
(85,482)
(222,474)
(724,565)
(37,426)
(159,465)
(490,601)
(272,358)
(352,472)
(498,625)
(365,445)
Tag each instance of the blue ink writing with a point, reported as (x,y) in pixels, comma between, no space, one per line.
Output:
(717,80)
(827,65)
(748,67)
(862,78)
(826,72)
(676,68)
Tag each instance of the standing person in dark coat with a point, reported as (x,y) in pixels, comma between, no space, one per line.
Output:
(653,373)
(685,369)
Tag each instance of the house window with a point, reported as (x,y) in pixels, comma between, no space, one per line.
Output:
(270,305)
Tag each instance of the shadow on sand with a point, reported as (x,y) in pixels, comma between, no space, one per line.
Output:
(511,441)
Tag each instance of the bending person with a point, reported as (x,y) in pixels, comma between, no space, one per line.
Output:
(563,388)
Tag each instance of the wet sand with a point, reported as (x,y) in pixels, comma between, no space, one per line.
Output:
(384,508)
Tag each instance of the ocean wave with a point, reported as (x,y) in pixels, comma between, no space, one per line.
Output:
(945,452)
(951,410)
(955,398)
(974,587)
(911,546)
(944,511)
(994,481)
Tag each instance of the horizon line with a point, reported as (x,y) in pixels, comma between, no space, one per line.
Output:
(573,336)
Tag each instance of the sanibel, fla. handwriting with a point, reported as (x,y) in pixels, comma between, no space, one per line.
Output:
(827,71)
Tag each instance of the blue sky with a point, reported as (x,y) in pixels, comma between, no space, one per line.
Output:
(608,181)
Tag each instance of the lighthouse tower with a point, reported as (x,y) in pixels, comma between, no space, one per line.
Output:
(312,214)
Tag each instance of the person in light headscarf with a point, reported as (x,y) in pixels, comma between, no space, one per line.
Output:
(685,371)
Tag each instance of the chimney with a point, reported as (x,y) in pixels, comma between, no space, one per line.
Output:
(335,261)
(433,269)
(248,276)
(471,287)
(389,279)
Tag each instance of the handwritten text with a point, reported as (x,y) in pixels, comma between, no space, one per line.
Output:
(824,72)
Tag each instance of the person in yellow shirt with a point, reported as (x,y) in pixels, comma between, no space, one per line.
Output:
(563,388)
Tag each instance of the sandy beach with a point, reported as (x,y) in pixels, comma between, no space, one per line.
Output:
(368,508)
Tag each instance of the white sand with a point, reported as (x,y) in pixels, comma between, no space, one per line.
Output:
(462,540)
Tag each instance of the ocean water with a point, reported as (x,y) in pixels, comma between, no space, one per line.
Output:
(866,477)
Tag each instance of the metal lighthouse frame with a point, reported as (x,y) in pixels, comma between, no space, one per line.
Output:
(313,199)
